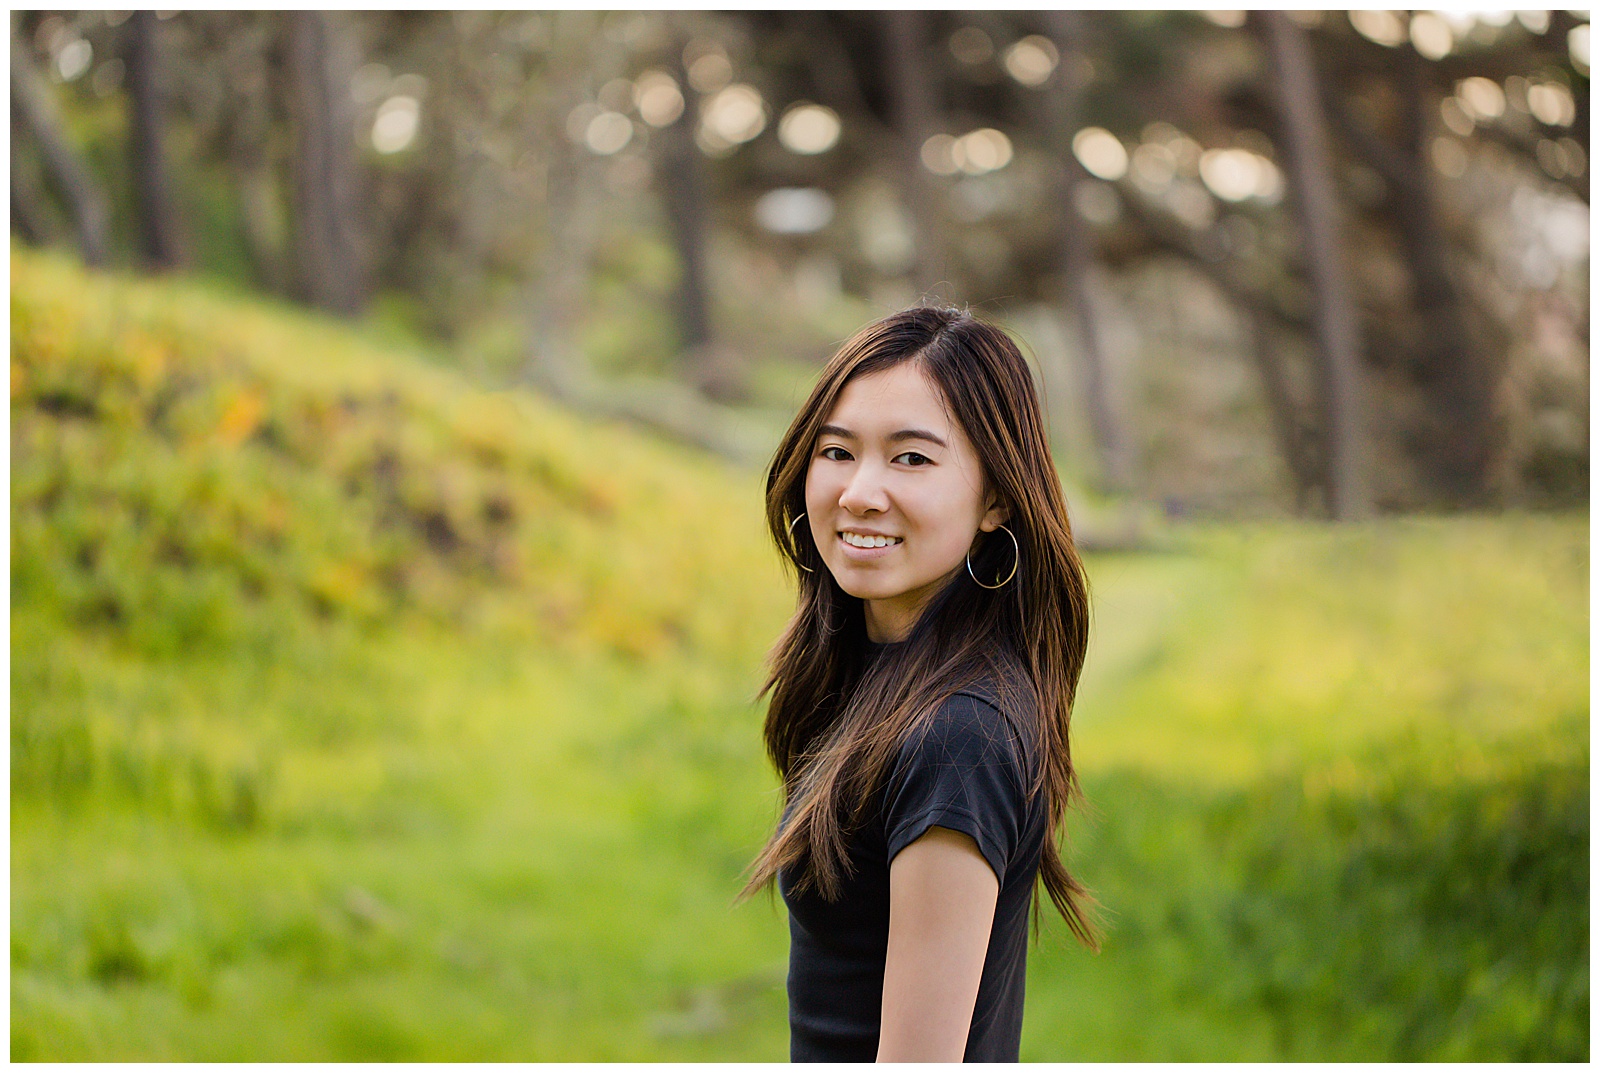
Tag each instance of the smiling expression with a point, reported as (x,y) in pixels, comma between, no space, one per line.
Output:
(895,495)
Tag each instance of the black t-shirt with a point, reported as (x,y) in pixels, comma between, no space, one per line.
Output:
(968,772)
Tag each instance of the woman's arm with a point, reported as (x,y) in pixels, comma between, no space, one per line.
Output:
(941,906)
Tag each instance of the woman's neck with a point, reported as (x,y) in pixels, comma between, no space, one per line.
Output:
(888,621)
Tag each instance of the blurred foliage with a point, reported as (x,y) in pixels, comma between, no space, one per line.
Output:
(319,754)
(1340,790)
(1426,914)
(492,226)
(188,470)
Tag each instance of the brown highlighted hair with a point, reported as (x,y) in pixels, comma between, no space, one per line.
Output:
(833,724)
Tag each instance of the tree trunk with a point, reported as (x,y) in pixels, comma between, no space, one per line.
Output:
(320,61)
(152,186)
(258,80)
(1267,322)
(558,277)
(681,167)
(1295,441)
(30,210)
(1451,368)
(1334,325)
(30,99)
(1079,276)
(557,288)
(915,111)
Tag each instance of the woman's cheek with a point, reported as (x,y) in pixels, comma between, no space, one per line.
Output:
(814,489)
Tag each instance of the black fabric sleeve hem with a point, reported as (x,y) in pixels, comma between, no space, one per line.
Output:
(955,819)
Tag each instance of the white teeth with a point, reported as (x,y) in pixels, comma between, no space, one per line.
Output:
(856,540)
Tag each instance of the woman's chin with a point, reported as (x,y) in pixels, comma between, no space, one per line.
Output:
(884,587)
(852,581)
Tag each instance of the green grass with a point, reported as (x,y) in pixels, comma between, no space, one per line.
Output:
(357,714)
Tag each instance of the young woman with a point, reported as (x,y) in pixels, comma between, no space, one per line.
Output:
(920,697)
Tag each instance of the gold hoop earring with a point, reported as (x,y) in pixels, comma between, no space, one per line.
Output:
(797,561)
(1016,561)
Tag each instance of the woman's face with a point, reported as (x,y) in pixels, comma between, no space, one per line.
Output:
(895,495)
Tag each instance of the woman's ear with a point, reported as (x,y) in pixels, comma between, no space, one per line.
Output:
(996,516)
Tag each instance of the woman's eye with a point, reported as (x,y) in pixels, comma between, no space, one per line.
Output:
(913,458)
(836,454)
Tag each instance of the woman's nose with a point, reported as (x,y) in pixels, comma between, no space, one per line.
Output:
(865,491)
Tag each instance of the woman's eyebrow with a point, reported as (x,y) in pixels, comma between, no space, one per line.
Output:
(894,437)
(916,434)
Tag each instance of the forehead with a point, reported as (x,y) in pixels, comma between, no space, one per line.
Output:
(901,396)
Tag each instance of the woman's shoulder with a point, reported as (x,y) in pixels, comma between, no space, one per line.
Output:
(965,767)
(981,722)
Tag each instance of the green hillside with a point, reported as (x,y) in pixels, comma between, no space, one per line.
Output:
(358,713)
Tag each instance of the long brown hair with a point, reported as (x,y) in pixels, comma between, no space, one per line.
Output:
(834,724)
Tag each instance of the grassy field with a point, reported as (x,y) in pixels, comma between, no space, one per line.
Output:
(358,714)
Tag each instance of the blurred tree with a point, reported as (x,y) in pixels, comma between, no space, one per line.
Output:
(494,180)
(1079,267)
(1459,434)
(579,58)
(320,55)
(1334,322)
(684,196)
(35,111)
(155,212)
(30,218)
(910,74)
(1438,346)
(248,46)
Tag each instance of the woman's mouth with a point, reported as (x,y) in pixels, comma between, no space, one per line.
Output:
(865,542)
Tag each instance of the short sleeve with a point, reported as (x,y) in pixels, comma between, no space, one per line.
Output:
(962,771)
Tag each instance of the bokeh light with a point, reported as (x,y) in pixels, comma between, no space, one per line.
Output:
(1032,60)
(1380,27)
(1431,36)
(735,115)
(1535,22)
(1100,152)
(1551,104)
(395,126)
(658,98)
(808,128)
(981,151)
(794,210)
(1480,98)
(74,59)
(1578,45)
(1231,174)
(608,133)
